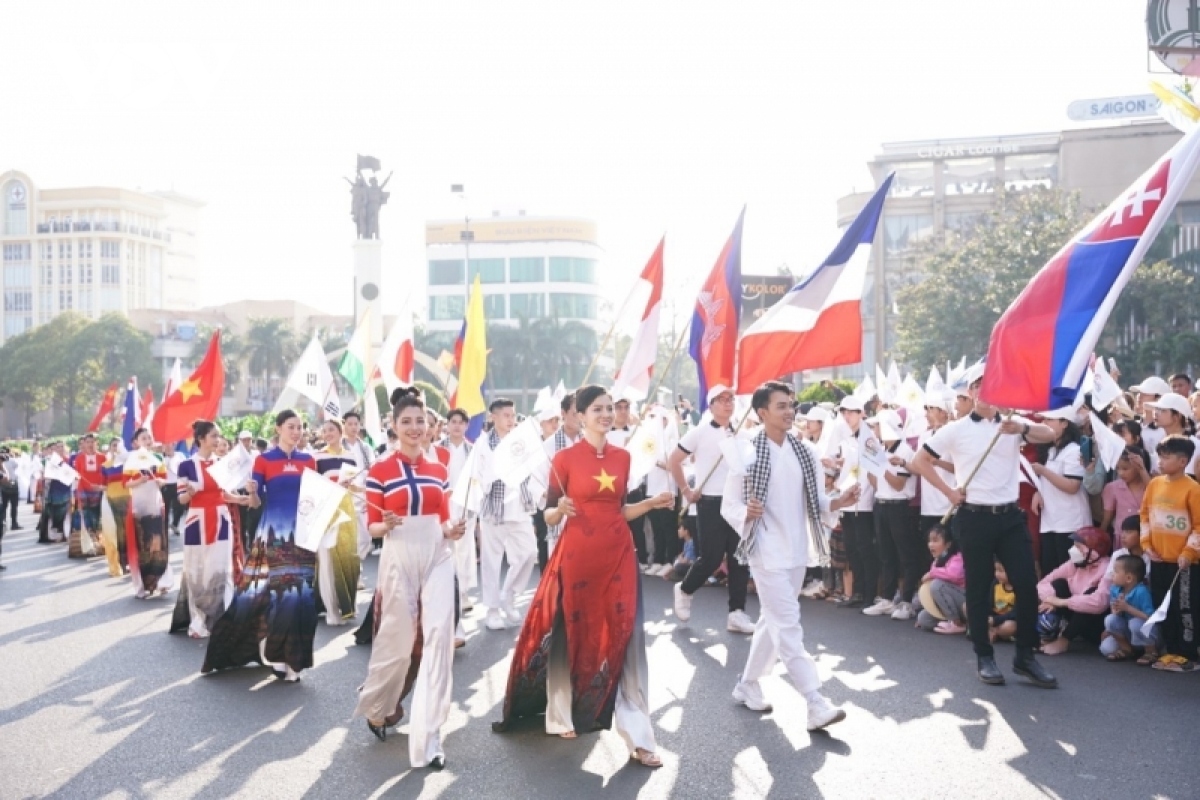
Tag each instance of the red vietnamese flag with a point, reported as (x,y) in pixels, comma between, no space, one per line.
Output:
(107,403)
(199,397)
(638,366)
(146,410)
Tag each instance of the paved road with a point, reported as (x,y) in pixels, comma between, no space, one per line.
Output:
(97,701)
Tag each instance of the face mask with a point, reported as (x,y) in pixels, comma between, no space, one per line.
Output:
(1077,557)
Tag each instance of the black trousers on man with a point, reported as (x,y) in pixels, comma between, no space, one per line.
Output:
(172,510)
(983,538)
(858,532)
(664,522)
(902,553)
(637,527)
(540,530)
(716,540)
(10,498)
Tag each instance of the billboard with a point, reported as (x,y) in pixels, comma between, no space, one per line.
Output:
(759,293)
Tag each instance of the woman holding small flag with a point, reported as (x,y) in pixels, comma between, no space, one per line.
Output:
(408,506)
(209,539)
(338,565)
(273,616)
(145,526)
(581,656)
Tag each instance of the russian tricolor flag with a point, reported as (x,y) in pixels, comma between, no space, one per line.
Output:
(717,316)
(1041,347)
(819,322)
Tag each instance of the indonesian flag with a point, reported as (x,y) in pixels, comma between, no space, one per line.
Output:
(396,358)
(819,322)
(638,366)
(146,409)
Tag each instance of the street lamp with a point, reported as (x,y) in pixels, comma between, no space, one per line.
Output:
(466,236)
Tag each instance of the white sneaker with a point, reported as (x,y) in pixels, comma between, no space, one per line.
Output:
(738,622)
(646,568)
(495,620)
(665,570)
(464,602)
(822,714)
(683,604)
(813,589)
(903,611)
(750,695)
(511,614)
(880,608)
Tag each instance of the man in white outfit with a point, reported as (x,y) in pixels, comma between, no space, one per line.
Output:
(459,448)
(775,504)
(505,526)
(360,451)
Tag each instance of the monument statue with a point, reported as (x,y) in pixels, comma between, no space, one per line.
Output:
(366,197)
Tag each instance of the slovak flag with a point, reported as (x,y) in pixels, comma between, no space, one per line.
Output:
(1041,347)
(819,322)
(638,366)
(718,313)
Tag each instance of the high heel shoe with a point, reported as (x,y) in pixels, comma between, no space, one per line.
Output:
(380,731)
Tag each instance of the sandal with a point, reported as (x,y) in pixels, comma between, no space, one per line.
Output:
(568,735)
(646,758)
(1170,663)
(1120,655)
(1147,660)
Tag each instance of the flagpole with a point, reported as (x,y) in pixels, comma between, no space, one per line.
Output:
(661,377)
(717,463)
(967,482)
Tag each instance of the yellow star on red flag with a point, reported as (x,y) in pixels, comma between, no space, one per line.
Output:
(606,481)
(190,388)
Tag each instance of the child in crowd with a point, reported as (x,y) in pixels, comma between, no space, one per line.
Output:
(1130,603)
(1130,539)
(1123,496)
(1170,521)
(1002,624)
(943,592)
(829,578)
(688,552)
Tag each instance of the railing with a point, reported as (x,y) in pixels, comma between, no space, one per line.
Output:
(103,226)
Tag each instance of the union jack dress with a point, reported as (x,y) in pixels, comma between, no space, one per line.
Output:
(208,553)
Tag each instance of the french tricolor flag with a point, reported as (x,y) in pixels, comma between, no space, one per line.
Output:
(1042,345)
(819,322)
(638,366)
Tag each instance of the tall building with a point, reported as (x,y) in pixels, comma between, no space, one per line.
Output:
(528,266)
(942,185)
(92,250)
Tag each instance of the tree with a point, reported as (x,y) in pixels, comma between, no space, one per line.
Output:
(271,347)
(963,283)
(233,351)
(1152,329)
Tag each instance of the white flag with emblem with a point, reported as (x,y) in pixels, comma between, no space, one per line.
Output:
(233,470)
(317,508)
(312,378)
(518,454)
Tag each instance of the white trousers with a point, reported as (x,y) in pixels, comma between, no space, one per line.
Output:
(516,541)
(365,545)
(416,587)
(778,633)
(465,565)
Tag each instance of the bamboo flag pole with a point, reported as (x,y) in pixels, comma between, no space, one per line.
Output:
(608,336)
(717,463)
(975,471)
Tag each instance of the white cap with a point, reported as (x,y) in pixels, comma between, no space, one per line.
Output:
(245,435)
(851,403)
(717,391)
(889,423)
(943,399)
(1069,413)
(1153,385)
(1173,402)
(818,414)
(547,414)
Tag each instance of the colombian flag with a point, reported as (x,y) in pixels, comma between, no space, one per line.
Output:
(471,352)
(717,316)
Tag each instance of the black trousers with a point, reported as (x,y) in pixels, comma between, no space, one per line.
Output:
(902,553)
(172,510)
(1054,549)
(858,532)
(664,522)
(539,530)
(1178,630)
(715,539)
(637,527)
(984,538)
(10,497)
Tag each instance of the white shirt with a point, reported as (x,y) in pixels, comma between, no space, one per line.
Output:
(172,465)
(458,460)
(1151,437)
(933,502)
(782,538)
(883,489)
(1063,512)
(514,509)
(849,449)
(964,442)
(703,442)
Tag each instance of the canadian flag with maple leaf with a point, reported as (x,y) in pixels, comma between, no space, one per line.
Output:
(199,397)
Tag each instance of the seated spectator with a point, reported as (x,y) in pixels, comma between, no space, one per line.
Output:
(683,562)
(1130,606)
(943,592)
(1002,623)
(1075,596)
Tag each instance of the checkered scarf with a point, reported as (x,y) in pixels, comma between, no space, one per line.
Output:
(492,509)
(758,476)
(561,442)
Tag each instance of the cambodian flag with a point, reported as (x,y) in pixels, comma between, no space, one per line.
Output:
(1042,344)
(717,316)
(819,322)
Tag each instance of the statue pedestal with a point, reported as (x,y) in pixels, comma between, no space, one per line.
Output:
(368,270)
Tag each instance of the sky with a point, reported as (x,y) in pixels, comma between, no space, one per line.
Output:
(650,118)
